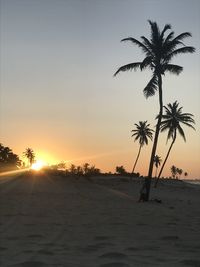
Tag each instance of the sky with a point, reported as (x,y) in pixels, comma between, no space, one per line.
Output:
(57,90)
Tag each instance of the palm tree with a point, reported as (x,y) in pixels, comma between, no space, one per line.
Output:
(179,171)
(120,170)
(30,155)
(86,168)
(172,121)
(157,162)
(72,169)
(141,133)
(173,171)
(159,52)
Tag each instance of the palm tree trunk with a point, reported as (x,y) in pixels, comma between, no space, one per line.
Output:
(137,159)
(153,152)
(163,165)
(156,172)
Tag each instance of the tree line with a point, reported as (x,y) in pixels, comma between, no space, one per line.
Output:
(11,161)
(8,159)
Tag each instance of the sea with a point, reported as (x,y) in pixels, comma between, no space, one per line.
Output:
(194,182)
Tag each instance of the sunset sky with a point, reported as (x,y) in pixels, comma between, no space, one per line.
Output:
(58,93)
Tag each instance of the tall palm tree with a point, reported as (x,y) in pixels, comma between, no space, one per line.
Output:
(141,133)
(30,155)
(157,162)
(159,52)
(172,120)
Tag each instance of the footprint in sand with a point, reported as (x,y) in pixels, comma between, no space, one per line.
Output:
(34,236)
(96,247)
(45,252)
(114,255)
(2,249)
(102,237)
(30,264)
(172,237)
(115,264)
(13,238)
(192,263)
(132,249)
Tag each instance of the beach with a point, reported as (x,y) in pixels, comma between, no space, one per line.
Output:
(59,221)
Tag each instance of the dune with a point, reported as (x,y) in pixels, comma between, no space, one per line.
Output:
(57,221)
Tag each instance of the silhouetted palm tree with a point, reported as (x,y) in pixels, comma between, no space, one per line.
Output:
(173,171)
(8,160)
(120,170)
(179,171)
(30,155)
(159,52)
(157,162)
(86,168)
(172,121)
(141,133)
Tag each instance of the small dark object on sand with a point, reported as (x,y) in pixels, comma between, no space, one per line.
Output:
(157,200)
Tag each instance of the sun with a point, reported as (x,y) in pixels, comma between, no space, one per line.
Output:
(38,165)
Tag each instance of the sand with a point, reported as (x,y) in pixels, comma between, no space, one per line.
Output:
(62,221)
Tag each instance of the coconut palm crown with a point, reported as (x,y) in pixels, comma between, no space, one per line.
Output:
(30,155)
(173,118)
(159,51)
(157,162)
(142,133)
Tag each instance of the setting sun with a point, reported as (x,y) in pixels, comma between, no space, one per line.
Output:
(38,165)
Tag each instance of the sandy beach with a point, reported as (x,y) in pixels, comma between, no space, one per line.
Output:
(61,221)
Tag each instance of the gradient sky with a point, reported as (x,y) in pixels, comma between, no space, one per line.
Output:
(58,93)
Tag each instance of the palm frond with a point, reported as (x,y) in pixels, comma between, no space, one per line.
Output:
(169,38)
(182,50)
(151,87)
(138,43)
(181,132)
(130,66)
(155,32)
(146,62)
(182,36)
(175,69)
(167,27)
(147,43)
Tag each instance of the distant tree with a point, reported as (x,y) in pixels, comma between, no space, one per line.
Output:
(30,155)
(174,171)
(179,171)
(61,165)
(8,159)
(185,174)
(120,170)
(72,169)
(86,168)
(159,51)
(157,162)
(172,120)
(94,171)
(79,170)
(142,133)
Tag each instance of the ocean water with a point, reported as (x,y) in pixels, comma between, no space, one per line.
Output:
(194,182)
